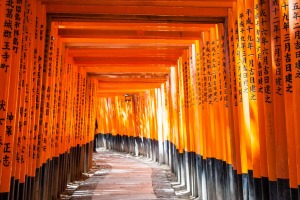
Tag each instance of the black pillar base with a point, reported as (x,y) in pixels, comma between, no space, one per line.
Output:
(273,190)
(295,193)
(4,196)
(258,192)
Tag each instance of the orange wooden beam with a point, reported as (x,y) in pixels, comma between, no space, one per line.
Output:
(124,90)
(124,61)
(126,18)
(143,26)
(150,50)
(124,52)
(139,10)
(126,85)
(130,34)
(128,58)
(124,80)
(115,93)
(170,3)
(113,43)
(128,69)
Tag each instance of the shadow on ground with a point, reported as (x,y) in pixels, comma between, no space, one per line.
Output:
(162,177)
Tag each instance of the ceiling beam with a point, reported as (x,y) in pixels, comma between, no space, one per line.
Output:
(154,26)
(109,87)
(126,70)
(138,10)
(126,62)
(124,52)
(127,80)
(125,55)
(130,34)
(169,3)
(77,17)
(125,43)
(113,93)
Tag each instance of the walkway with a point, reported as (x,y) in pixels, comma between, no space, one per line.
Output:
(117,176)
(128,179)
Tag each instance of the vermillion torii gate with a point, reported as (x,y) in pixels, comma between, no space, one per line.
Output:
(210,88)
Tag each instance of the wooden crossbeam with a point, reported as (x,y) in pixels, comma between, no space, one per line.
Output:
(124,52)
(125,69)
(129,79)
(142,26)
(125,61)
(170,3)
(130,34)
(99,17)
(139,10)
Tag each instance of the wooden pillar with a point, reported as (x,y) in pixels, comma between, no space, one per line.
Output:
(9,108)
(294,12)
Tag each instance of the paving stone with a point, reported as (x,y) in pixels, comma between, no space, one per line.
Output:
(120,176)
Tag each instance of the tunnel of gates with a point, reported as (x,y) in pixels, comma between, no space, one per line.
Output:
(226,119)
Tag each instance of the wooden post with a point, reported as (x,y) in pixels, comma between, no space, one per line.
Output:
(267,87)
(233,38)
(290,171)
(294,12)
(7,176)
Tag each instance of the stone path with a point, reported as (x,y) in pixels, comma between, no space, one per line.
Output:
(128,179)
(120,176)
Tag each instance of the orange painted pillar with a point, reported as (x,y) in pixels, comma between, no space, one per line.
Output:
(232,23)
(174,129)
(224,80)
(198,76)
(229,90)
(260,93)
(39,61)
(26,140)
(286,51)
(48,89)
(208,109)
(181,108)
(194,95)
(187,122)
(205,112)
(88,107)
(216,94)
(265,73)
(279,109)
(8,160)
(33,115)
(251,72)
(59,101)
(294,13)
(3,88)
(243,104)
(7,130)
